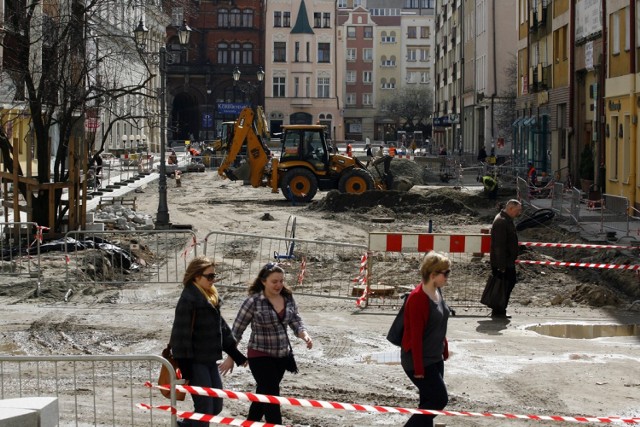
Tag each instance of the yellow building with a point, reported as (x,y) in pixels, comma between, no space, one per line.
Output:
(621,105)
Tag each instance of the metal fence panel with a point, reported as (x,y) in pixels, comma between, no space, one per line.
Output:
(20,248)
(91,390)
(116,256)
(315,268)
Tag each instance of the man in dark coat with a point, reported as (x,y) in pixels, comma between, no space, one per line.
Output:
(504,249)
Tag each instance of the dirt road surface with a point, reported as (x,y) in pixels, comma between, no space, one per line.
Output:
(495,366)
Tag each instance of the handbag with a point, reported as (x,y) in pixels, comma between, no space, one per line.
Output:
(165,375)
(495,294)
(290,364)
(394,336)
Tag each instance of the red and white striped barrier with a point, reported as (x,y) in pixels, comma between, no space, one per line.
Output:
(205,417)
(303,270)
(290,401)
(631,267)
(362,279)
(575,245)
(425,242)
(405,156)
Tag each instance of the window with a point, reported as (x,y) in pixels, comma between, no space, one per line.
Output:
(412,54)
(367,99)
(323,87)
(296,53)
(351,54)
(424,55)
(412,77)
(368,32)
(326,19)
(223,53)
(627,33)
(307,87)
(391,38)
(367,54)
(425,32)
(277,19)
(317,19)
(279,52)
(324,52)
(350,99)
(235,18)
(279,87)
(424,77)
(247,18)
(223,18)
(411,32)
(247,53)
(351,76)
(286,19)
(342,4)
(367,77)
(351,32)
(296,87)
(235,53)
(391,84)
(615,40)
(388,62)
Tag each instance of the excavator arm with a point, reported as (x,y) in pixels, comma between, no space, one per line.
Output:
(250,128)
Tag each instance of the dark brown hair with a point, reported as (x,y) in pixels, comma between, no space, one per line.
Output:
(258,286)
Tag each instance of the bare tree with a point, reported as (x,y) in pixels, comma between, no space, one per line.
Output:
(409,106)
(62,63)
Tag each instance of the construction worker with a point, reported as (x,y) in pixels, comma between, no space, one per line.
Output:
(349,150)
(392,150)
(490,186)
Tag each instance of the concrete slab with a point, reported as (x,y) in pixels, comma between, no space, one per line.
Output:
(44,410)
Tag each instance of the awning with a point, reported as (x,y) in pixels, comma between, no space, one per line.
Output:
(529,121)
(443,121)
(517,122)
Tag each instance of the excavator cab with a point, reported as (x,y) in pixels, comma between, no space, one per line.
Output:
(305,144)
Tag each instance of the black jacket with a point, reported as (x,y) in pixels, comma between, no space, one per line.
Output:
(209,336)
(504,242)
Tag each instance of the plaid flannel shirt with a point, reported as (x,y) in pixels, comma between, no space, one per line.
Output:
(268,334)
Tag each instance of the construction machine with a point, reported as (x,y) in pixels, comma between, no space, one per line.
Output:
(305,165)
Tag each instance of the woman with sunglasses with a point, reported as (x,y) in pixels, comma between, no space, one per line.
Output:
(200,335)
(424,342)
(270,309)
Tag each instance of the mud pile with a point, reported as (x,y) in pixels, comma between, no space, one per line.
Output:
(443,201)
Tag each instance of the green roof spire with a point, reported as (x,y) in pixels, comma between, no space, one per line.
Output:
(302,22)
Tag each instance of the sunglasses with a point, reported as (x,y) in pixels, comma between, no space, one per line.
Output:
(210,277)
(270,266)
(445,273)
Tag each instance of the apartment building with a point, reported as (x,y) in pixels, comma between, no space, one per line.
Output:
(475,51)
(303,65)
(388,46)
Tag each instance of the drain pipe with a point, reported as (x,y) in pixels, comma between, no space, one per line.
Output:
(634,108)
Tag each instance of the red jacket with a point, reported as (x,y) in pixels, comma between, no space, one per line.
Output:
(416,317)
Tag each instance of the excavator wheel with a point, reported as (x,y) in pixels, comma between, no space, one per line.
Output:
(355,181)
(299,184)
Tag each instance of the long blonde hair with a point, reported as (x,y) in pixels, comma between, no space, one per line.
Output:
(196,267)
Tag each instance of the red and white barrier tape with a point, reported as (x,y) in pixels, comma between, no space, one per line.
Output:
(193,244)
(290,401)
(39,234)
(632,267)
(208,418)
(362,279)
(303,270)
(575,245)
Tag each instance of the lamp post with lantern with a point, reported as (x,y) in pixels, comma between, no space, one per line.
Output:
(248,88)
(141,33)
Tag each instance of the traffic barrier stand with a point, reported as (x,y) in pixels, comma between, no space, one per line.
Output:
(208,418)
(321,404)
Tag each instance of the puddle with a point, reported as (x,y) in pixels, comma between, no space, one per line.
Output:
(586,331)
(386,358)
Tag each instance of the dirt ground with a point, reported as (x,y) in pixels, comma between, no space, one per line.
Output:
(495,366)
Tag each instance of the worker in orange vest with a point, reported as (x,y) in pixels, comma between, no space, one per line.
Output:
(349,150)
(392,150)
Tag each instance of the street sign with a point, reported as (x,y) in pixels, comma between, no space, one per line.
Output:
(91,123)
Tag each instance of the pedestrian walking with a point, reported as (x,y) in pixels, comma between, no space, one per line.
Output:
(199,336)
(424,342)
(504,250)
(269,309)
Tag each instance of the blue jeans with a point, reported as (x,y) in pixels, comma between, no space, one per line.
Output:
(432,391)
(204,375)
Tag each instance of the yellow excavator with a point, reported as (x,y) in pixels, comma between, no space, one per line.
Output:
(306,163)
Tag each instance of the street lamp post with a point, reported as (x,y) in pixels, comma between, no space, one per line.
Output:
(141,32)
(248,88)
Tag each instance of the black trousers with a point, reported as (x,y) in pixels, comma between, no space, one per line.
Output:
(432,392)
(268,372)
(510,275)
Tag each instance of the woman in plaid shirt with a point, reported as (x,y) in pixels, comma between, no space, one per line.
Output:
(270,308)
